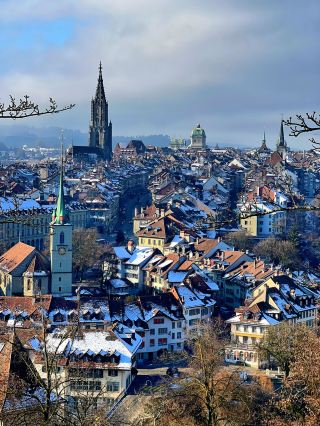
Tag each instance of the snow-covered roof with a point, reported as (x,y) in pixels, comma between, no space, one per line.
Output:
(177,276)
(95,343)
(188,298)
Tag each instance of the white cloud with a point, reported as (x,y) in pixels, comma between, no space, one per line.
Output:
(167,64)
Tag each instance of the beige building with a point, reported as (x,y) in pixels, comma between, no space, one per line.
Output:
(276,300)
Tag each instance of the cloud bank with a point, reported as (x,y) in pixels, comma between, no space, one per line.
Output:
(233,65)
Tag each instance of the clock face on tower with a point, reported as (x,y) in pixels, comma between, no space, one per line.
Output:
(61,251)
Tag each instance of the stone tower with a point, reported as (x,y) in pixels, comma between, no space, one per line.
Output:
(282,147)
(61,246)
(100,130)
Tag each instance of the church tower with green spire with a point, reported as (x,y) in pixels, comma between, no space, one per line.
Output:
(61,246)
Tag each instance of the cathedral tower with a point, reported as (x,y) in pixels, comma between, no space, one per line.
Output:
(100,130)
(61,246)
(282,147)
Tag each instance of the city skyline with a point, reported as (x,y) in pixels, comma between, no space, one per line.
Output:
(166,66)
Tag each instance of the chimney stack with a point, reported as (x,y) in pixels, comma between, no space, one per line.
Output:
(130,246)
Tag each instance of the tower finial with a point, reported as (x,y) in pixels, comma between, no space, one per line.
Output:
(100,68)
(62,147)
(60,215)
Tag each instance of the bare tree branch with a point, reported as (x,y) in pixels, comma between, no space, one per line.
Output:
(27,108)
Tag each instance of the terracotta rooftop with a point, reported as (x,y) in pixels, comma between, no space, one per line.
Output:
(25,303)
(39,263)
(15,256)
(5,362)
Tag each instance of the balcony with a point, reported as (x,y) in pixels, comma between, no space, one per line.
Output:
(241,346)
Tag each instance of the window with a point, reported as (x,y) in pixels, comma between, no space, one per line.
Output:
(204,311)
(152,331)
(158,321)
(162,342)
(112,373)
(179,335)
(173,336)
(62,237)
(29,284)
(193,322)
(173,325)
(162,331)
(179,324)
(113,386)
(194,312)
(59,288)
(151,342)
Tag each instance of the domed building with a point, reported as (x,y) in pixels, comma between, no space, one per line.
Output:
(198,138)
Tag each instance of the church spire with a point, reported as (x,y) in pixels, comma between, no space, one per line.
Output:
(100,88)
(281,138)
(60,215)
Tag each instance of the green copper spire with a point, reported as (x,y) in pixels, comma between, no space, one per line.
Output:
(60,215)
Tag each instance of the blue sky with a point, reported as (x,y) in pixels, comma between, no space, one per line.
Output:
(233,65)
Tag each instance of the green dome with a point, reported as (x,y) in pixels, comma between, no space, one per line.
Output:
(198,131)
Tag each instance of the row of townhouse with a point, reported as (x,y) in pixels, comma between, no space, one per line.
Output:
(277,299)
(145,266)
(163,321)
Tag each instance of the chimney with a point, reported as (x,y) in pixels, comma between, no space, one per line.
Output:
(219,239)
(136,211)
(130,246)
(222,256)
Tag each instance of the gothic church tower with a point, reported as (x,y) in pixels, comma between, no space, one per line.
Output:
(61,247)
(282,147)
(100,130)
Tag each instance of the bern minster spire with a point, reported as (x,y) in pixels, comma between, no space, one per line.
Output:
(100,130)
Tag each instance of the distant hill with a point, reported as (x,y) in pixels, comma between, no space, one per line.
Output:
(3,147)
(17,136)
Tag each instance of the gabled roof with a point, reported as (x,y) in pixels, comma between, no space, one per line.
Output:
(12,258)
(39,262)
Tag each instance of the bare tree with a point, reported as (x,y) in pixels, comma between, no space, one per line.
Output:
(280,344)
(24,107)
(86,250)
(310,122)
(210,394)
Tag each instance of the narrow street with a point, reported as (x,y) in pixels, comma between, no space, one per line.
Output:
(128,203)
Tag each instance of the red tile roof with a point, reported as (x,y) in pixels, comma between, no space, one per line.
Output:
(15,256)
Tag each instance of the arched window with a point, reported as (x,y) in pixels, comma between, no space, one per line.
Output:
(61,237)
